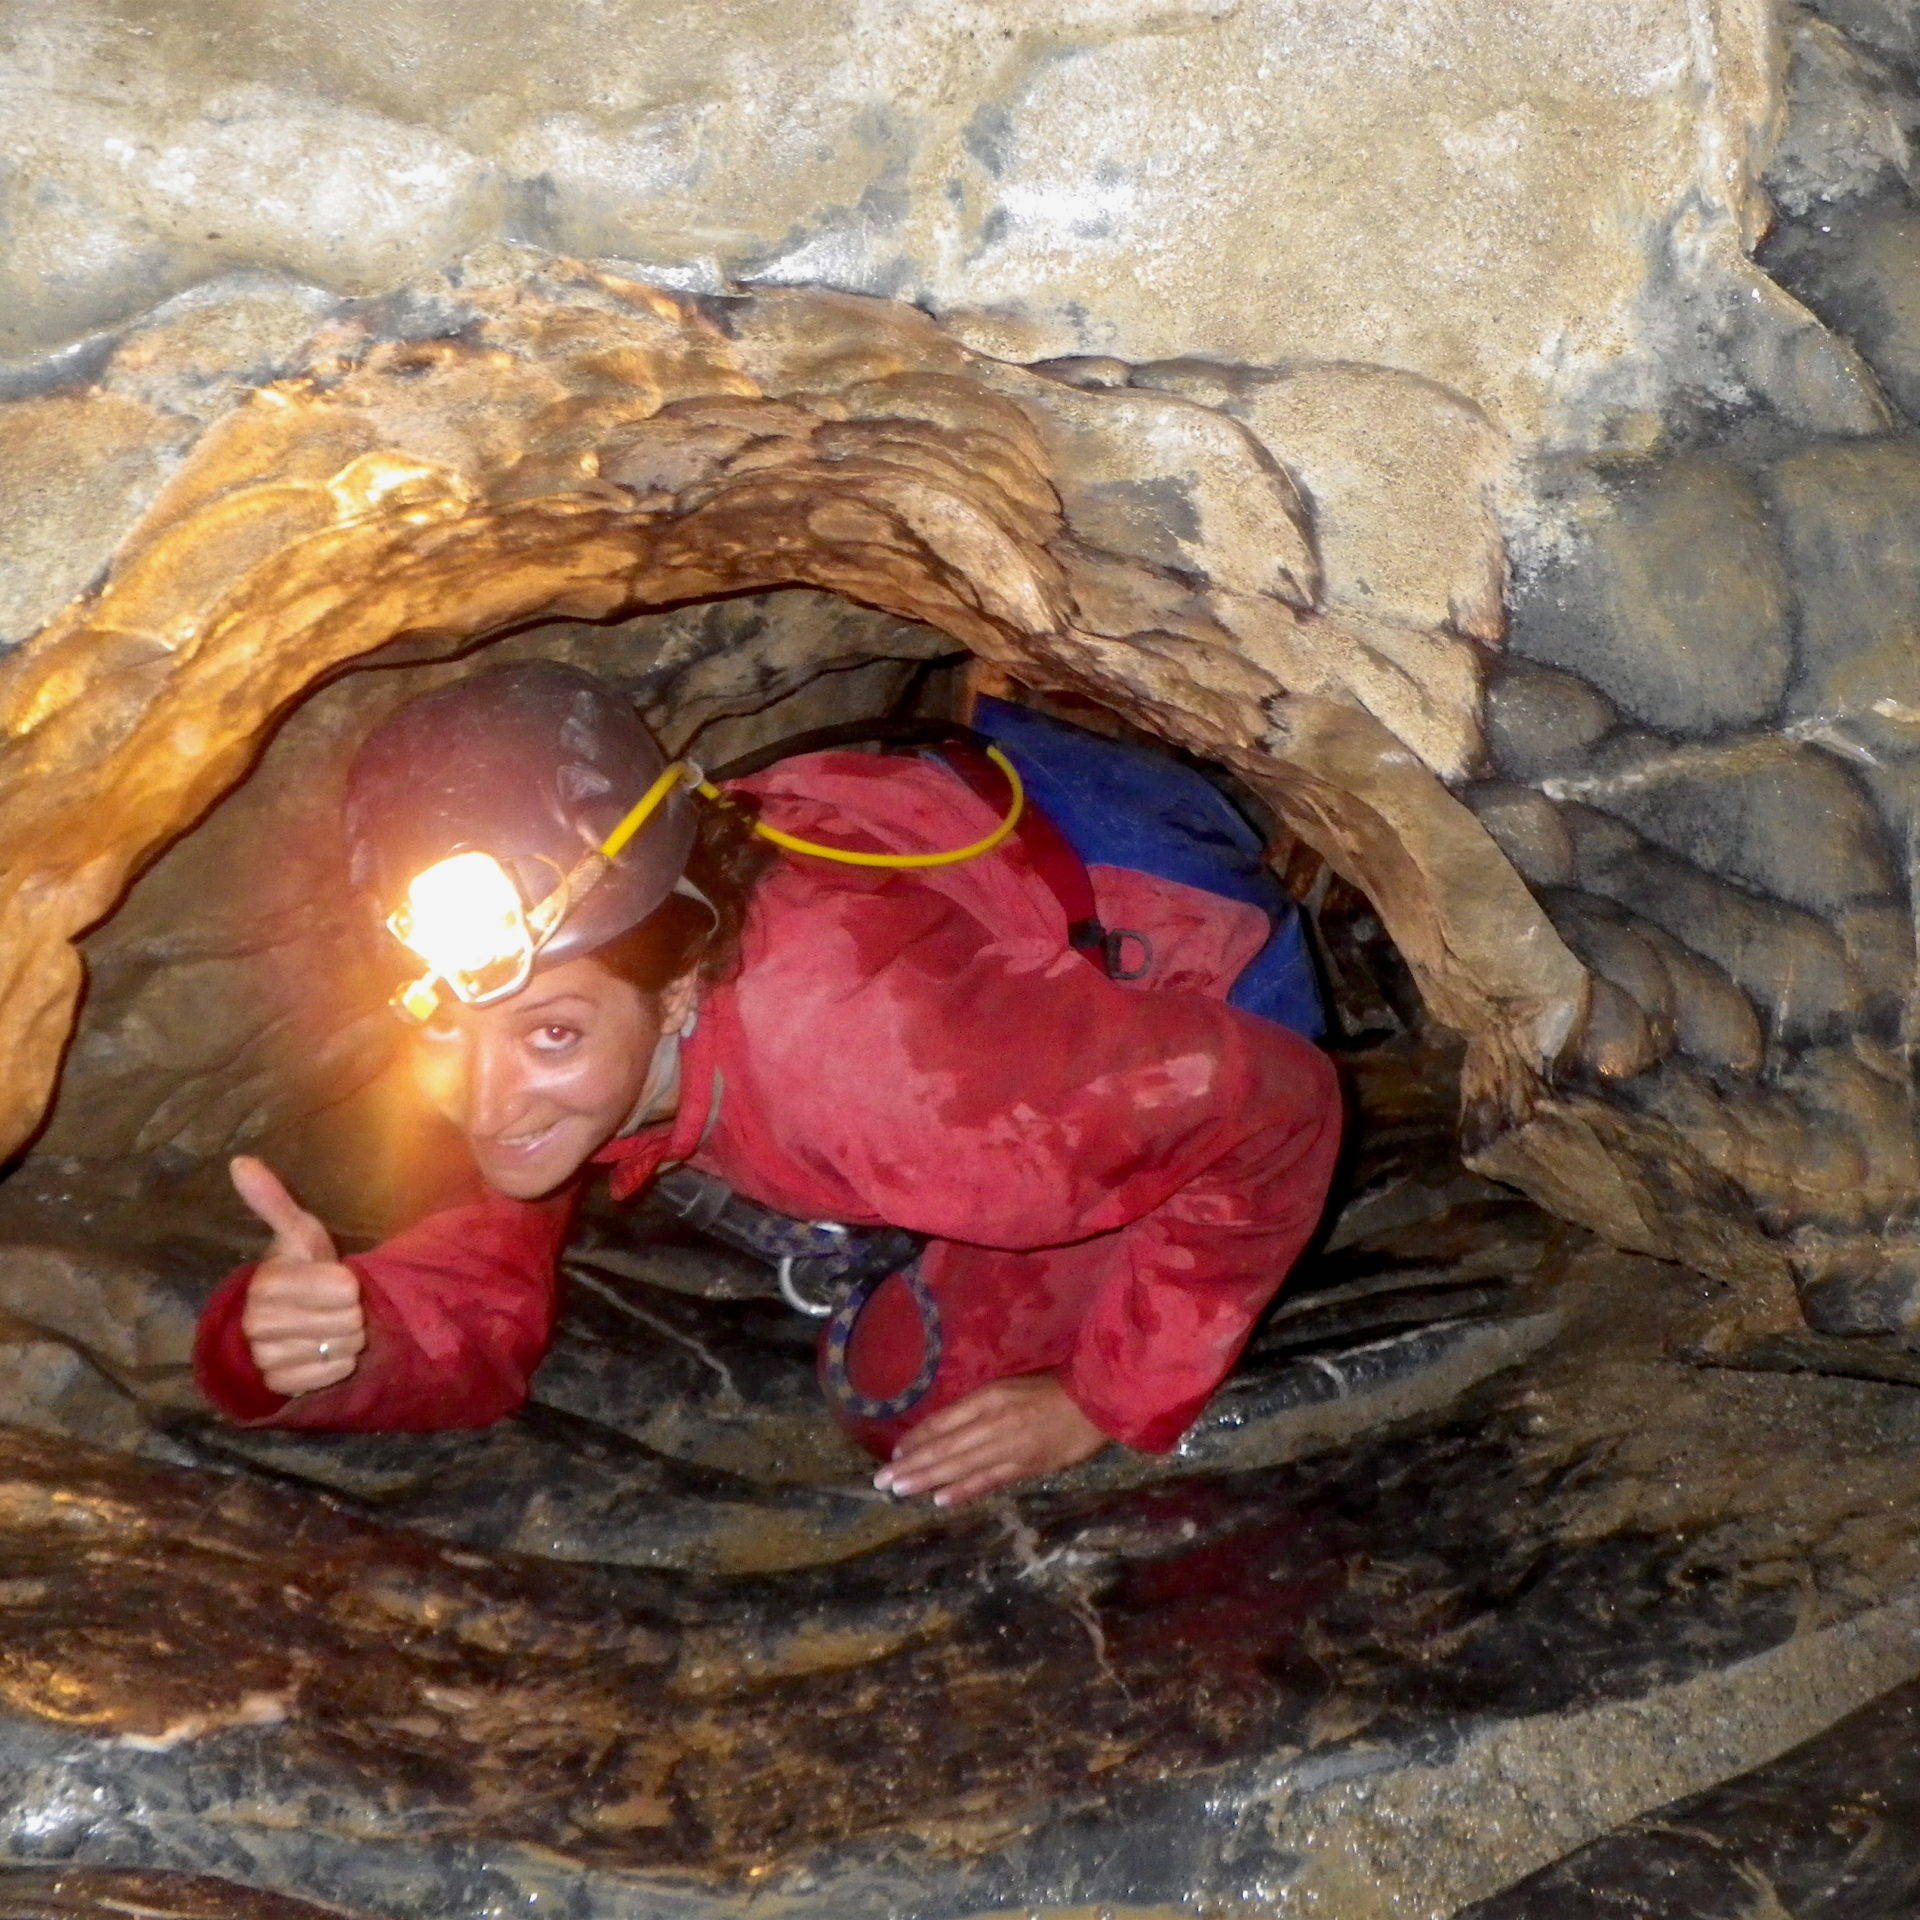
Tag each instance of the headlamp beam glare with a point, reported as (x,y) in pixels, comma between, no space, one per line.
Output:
(463,916)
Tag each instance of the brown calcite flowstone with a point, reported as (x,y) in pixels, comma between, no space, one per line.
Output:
(588,445)
(114,1893)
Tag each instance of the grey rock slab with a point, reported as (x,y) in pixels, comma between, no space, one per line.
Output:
(1867,1095)
(563,1487)
(1617,1039)
(1540,721)
(46,1385)
(1849,520)
(129,1313)
(1714,1022)
(1605,937)
(1887,27)
(1671,599)
(1855,267)
(1774,815)
(1787,1158)
(1329,1400)
(1064,187)
(1527,827)
(1850,121)
(1828,1831)
(1790,965)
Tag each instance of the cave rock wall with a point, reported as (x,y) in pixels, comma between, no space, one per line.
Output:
(1384,402)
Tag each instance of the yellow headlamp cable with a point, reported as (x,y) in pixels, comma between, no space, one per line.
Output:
(848,856)
(642,811)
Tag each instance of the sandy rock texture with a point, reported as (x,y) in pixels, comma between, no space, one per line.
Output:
(1463,192)
(1410,239)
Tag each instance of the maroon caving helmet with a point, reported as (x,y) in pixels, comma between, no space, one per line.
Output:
(534,764)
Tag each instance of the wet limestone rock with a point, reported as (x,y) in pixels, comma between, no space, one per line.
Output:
(1146,179)
(590,446)
(1674,604)
(1782,819)
(1828,1831)
(1855,268)
(1850,121)
(1419,1664)
(108,1893)
(949,335)
(1541,721)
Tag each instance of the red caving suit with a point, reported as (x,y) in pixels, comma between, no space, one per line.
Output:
(1115,1176)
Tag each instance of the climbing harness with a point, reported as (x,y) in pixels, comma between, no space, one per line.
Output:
(825,1270)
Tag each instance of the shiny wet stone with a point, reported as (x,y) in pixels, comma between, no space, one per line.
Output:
(1223,1687)
(1469,1562)
(106,1893)
(1830,1831)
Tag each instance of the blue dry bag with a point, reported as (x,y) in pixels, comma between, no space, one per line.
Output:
(1125,806)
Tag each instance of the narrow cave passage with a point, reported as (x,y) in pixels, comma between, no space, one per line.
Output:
(671,1554)
(232,1008)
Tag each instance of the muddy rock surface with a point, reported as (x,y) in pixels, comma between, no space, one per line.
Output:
(1479,1554)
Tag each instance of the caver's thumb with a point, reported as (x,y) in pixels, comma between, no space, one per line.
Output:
(297,1234)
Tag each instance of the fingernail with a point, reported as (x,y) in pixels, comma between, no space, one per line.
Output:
(943,1499)
(883,1480)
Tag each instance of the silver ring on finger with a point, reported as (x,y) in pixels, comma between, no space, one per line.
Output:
(325,1348)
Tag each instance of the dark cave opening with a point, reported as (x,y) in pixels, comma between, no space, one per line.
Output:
(229,1009)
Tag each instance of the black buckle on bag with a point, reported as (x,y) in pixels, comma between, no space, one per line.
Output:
(1106,947)
(1090,937)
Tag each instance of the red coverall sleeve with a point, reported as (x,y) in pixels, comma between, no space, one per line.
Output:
(1003,1097)
(459,1311)
(1189,1278)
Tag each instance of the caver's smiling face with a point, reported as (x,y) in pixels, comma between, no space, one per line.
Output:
(539,1082)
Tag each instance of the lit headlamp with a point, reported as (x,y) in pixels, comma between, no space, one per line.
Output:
(463,916)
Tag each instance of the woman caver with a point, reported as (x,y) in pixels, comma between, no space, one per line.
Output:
(1113,1177)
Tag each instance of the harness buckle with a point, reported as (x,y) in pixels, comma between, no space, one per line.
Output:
(790,1292)
(1113,946)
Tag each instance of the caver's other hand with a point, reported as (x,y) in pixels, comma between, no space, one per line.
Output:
(999,1435)
(303,1321)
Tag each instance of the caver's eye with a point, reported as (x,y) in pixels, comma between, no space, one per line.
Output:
(554,1037)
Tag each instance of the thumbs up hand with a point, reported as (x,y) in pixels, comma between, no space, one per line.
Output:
(303,1320)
